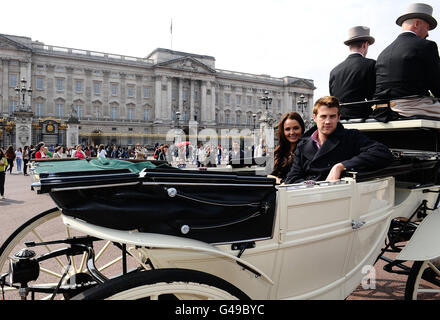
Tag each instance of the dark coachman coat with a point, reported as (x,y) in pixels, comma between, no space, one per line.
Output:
(408,66)
(354,80)
(356,151)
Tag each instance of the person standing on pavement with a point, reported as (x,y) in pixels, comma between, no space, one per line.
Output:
(10,155)
(26,157)
(3,165)
(101,152)
(19,159)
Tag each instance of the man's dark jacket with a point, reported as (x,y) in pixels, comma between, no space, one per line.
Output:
(408,66)
(356,151)
(354,80)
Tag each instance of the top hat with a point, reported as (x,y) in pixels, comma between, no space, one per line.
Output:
(359,33)
(419,11)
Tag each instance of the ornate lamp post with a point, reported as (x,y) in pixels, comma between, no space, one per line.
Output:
(302,104)
(177,124)
(267,132)
(254,117)
(267,101)
(23,116)
(21,92)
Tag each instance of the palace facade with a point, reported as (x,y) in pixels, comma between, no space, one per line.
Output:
(127,100)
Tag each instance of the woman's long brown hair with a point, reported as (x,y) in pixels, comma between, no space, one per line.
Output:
(282,150)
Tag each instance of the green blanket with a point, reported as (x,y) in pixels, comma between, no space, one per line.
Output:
(92,165)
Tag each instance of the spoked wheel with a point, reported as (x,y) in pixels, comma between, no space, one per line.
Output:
(48,226)
(423,281)
(161,284)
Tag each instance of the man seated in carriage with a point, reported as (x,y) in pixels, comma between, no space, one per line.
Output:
(331,148)
(410,66)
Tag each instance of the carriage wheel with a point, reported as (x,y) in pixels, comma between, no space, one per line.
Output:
(161,284)
(423,281)
(49,226)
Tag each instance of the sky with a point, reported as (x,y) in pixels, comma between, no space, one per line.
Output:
(275,37)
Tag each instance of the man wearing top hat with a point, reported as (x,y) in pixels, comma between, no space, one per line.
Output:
(354,79)
(410,66)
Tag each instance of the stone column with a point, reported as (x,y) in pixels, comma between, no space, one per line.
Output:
(138,113)
(168,108)
(158,99)
(106,93)
(50,105)
(286,102)
(5,86)
(123,95)
(212,110)
(191,103)
(88,92)
(181,98)
(204,107)
(69,87)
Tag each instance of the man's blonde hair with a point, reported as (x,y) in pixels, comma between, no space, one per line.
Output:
(328,101)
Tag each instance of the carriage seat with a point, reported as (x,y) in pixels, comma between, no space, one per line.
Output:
(414,171)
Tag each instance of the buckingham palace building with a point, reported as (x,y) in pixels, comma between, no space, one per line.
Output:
(126,100)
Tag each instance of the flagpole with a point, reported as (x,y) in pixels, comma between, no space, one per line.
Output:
(171,33)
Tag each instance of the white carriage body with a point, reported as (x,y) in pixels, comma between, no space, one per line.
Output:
(316,251)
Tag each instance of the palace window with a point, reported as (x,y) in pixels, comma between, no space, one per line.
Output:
(114,112)
(146,92)
(59,108)
(12,106)
(130,91)
(97,112)
(97,88)
(227,99)
(38,109)
(249,100)
(79,111)
(60,84)
(78,86)
(227,118)
(114,89)
(12,80)
(40,83)
(146,115)
(238,100)
(130,114)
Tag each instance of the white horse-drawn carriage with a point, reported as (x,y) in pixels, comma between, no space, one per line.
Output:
(137,230)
